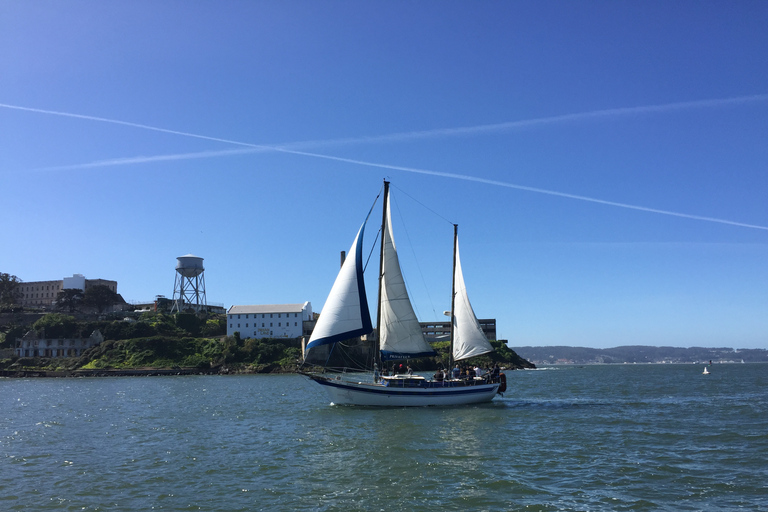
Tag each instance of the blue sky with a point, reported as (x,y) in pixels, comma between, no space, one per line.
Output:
(606,161)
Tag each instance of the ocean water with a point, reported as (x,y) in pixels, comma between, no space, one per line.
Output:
(624,437)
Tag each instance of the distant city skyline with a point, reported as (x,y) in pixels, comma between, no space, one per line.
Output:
(605,162)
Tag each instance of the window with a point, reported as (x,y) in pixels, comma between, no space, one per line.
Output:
(270,315)
(238,326)
(238,317)
(262,324)
(246,325)
(279,324)
(295,324)
(270,324)
(230,326)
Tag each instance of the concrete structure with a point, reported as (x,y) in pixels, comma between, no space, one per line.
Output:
(270,321)
(32,346)
(189,286)
(441,331)
(43,293)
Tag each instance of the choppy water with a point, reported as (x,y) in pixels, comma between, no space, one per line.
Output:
(629,437)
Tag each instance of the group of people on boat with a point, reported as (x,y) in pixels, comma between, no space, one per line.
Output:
(490,373)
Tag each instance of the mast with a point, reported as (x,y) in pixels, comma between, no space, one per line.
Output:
(377,356)
(453,292)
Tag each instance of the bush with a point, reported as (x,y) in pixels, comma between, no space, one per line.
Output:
(57,325)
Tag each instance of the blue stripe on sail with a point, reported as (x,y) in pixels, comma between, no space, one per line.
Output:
(386,355)
(365,315)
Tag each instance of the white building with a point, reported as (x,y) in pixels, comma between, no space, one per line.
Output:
(269,321)
(32,346)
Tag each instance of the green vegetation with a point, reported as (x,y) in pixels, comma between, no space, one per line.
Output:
(157,340)
(10,292)
(502,354)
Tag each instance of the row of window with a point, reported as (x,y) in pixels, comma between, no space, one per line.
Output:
(36,295)
(279,324)
(48,343)
(35,288)
(264,315)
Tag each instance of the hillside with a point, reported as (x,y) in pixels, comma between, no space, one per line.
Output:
(182,342)
(639,354)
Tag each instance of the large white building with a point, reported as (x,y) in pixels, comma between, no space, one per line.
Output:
(269,321)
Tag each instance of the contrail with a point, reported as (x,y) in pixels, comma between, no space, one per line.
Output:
(149,159)
(287,148)
(529,189)
(440,132)
(126,123)
(528,123)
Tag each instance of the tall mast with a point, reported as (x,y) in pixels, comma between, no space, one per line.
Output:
(381,271)
(453,291)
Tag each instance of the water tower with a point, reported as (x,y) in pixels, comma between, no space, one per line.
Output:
(189,287)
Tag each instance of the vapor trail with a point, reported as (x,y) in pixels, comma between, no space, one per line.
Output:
(127,123)
(529,189)
(528,123)
(287,148)
(440,132)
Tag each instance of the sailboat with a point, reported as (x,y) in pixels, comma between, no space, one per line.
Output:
(399,335)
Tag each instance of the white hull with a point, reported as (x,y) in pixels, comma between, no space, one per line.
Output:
(344,392)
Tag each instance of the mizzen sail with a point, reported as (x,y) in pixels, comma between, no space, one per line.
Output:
(468,337)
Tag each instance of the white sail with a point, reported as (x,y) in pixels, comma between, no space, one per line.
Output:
(400,334)
(468,337)
(345,313)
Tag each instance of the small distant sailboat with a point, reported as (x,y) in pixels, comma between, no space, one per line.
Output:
(706,371)
(345,315)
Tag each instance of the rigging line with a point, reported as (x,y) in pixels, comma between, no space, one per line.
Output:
(422,204)
(365,266)
(368,260)
(415,259)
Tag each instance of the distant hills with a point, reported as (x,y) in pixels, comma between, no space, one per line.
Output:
(638,354)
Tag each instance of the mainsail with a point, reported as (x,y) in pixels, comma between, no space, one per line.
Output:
(345,314)
(400,335)
(468,337)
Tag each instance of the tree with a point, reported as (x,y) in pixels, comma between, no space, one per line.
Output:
(69,299)
(10,292)
(57,325)
(100,297)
